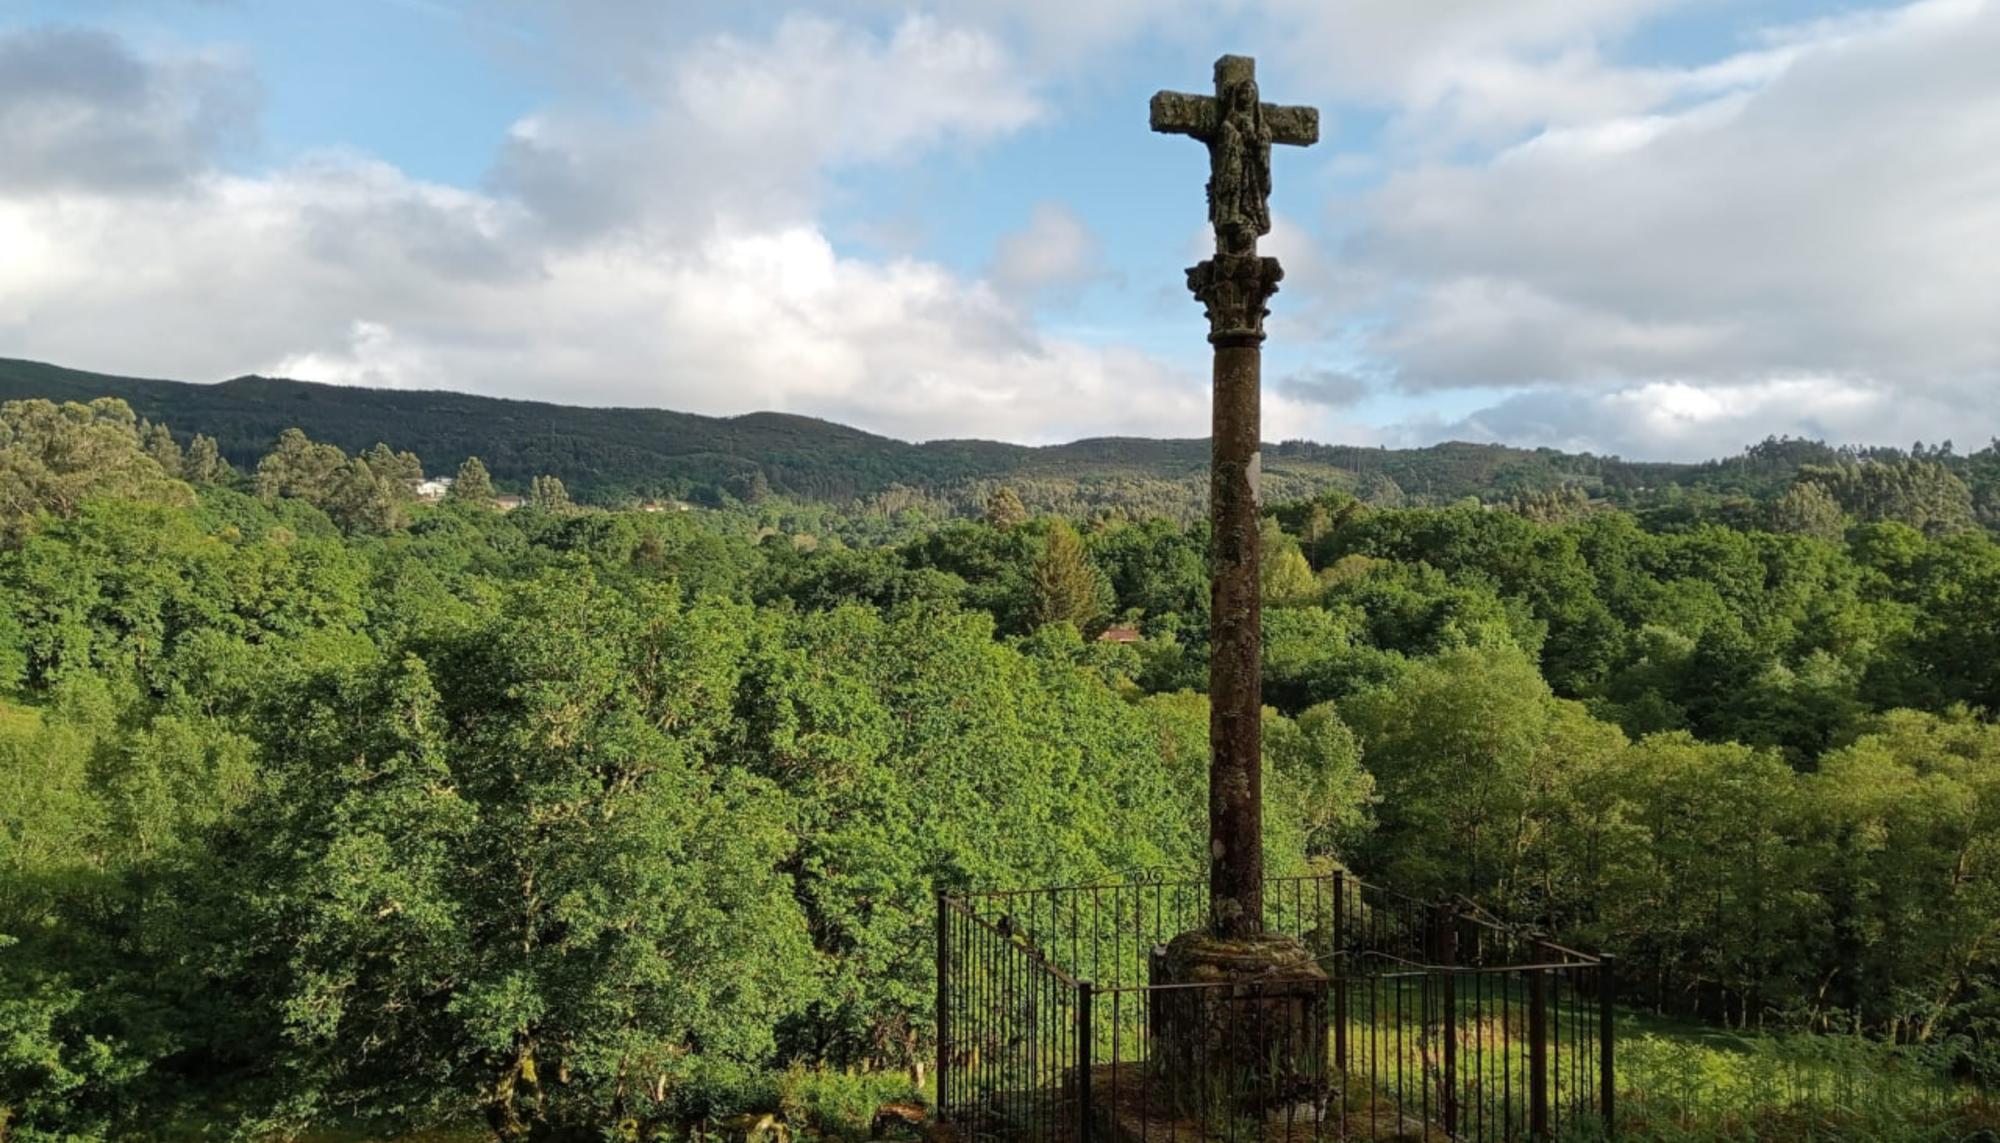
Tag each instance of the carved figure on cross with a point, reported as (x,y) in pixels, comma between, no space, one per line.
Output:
(1239,130)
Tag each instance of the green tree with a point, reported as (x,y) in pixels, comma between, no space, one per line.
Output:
(159,444)
(400,471)
(1318,761)
(472,485)
(1004,508)
(1067,587)
(1287,578)
(548,494)
(1473,758)
(601,899)
(55,457)
(1700,889)
(359,500)
(1926,495)
(1905,829)
(300,468)
(203,464)
(1808,509)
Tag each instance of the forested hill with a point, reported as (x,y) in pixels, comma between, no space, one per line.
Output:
(609,454)
(613,456)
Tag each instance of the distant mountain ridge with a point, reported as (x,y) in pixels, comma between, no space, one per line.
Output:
(612,453)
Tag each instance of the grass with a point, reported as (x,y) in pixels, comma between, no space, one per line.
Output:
(1675,1081)
(800,1103)
(1679,1082)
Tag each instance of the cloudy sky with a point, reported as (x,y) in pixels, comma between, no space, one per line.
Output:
(1660,228)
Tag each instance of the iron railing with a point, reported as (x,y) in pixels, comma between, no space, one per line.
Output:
(1427,1021)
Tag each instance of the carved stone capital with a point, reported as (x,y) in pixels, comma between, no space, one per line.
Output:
(1234,288)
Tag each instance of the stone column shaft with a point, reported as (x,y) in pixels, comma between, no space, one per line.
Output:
(1235,670)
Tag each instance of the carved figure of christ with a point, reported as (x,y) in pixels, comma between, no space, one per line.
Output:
(1239,131)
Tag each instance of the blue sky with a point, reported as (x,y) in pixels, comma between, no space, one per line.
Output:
(1661,228)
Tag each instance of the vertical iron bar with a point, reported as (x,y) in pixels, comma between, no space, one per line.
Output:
(1575,1016)
(990,1060)
(1507,1052)
(1399,1048)
(1339,972)
(1423,1048)
(1448,954)
(1141,948)
(1075,908)
(1607,996)
(1096,926)
(1045,1026)
(1009,1020)
(1538,1054)
(1375,1055)
(1083,1037)
(977,1059)
(1556,1059)
(982,982)
(1118,1057)
(943,1007)
(1479,1054)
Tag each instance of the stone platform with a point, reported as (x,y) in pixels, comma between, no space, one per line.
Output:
(1241,1019)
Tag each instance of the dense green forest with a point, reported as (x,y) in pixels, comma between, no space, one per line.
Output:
(617,457)
(321,806)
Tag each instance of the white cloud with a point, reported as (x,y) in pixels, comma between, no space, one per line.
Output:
(770,320)
(740,320)
(746,132)
(375,356)
(1653,260)
(674,261)
(1840,219)
(1417,54)
(79,110)
(1687,420)
(1332,388)
(1054,252)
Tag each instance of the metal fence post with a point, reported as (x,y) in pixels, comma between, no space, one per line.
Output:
(1607,996)
(1084,1028)
(1447,948)
(1538,1054)
(943,1008)
(1340,971)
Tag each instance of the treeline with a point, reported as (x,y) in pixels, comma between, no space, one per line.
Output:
(614,457)
(562,818)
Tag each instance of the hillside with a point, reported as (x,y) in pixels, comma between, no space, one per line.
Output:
(608,453)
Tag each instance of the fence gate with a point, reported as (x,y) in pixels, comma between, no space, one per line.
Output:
(1053,1023)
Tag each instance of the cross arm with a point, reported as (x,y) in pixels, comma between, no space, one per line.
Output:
(1298,126)
(1179,113)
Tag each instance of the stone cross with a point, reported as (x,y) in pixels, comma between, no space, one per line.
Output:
(1234,287)
(1239,131)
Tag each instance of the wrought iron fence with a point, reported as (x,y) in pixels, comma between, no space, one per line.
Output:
(1427,1021)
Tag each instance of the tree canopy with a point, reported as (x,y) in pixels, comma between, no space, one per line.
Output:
(323,805)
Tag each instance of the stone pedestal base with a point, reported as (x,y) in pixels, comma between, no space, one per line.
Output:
(1240,1024)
